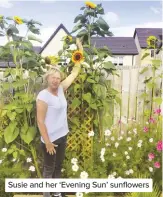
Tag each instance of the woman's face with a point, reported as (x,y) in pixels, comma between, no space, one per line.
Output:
(54,80)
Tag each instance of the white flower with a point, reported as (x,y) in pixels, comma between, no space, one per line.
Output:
(62,170)
(119,177)
(1,161)
(32,168)
(114,173)
(114,154)
(140,141)
(135,131)
(91,133)
(131,171)
(127,157)
(112,138)
(107,144)
(122,132)
(29,160)
(75,168)
(74,160)
(129,132)
(130,148)
(150,169)
(127,172)
(83,175)
(128,139)
(14,160)
(151,140)
(139,145)
(79,194)
(120,138)
(126,153)
(4,150)
(116,144)
(102,158)
(107,132)
(103,151)
(111,176)
(147,122)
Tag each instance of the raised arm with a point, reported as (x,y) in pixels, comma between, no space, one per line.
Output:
(75,71)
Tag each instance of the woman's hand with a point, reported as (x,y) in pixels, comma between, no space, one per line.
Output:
(79,44)
(50,148)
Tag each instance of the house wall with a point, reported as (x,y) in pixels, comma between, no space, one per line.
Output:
(55,44)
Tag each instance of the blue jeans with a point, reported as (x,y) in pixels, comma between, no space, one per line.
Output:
(53,163)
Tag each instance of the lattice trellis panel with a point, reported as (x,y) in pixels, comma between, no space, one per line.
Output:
(78,139)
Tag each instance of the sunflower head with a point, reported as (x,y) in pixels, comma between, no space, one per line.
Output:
(67,38)
(18,20)
(90,4)
(152,41)
(77,57)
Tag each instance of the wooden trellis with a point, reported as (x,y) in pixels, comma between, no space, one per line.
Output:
(78,139)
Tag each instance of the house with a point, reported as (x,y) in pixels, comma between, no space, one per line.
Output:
(126,51)
(140,36)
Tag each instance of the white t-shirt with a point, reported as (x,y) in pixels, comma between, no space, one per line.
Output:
(56,116)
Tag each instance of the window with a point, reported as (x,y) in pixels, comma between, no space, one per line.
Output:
(152,53)
(121,61)
(115,61)
(118,61)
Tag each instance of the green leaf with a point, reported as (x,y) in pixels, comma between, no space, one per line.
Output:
(82,33)
(29,107)
(147,80)
(144,70)
(75,120)
(144,56)
(90,13)
(15,155)
(93,105)
(118,100)
(109,65)
(90,80)
(99,9)
(11,115)
(102,23)
(82,8)
(29,136)
(143,95)
(76,28)
(11,30)
(75,103)
(99,89)
(11,132)
(31,37)
(158,100)
(79,17)
(87,97)
(76,87)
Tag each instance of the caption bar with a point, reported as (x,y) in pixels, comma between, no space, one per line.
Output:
(78,185)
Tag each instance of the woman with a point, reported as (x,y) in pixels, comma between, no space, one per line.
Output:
(52,120)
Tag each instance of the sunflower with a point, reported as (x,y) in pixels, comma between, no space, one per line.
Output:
(151,41)
(68,38)
(77,57)
(18,20)
(90,4)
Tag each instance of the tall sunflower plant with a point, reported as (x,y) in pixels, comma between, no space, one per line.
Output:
(153,82)
(18,87)
(96,67)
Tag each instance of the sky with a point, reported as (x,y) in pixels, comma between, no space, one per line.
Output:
(122,16)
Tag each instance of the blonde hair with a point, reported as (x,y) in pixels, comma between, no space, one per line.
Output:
(50,72)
